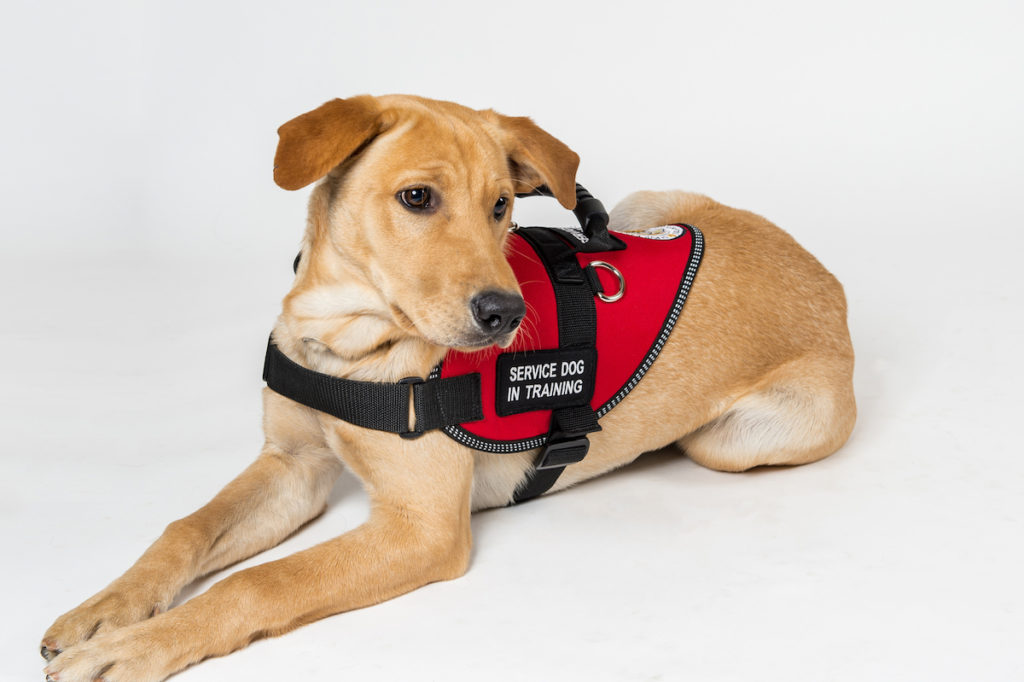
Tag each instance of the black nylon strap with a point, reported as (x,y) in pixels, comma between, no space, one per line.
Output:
(538,482)
(577,316)
(372,405)
(579,419)
(443,402)
(577,328)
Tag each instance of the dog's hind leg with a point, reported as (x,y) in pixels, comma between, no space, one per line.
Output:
(263,505)
(802,412)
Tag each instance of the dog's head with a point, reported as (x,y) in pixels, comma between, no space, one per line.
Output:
(414,209)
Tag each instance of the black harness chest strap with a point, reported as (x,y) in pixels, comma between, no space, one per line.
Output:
(372,405)
(577,328)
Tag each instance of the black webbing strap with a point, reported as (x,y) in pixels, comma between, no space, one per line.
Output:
(373,405)
(577,328)
(577,316)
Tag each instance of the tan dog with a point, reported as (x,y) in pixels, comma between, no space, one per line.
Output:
(406,226)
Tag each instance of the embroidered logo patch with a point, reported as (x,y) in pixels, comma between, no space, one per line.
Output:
(544,379)
(661,233)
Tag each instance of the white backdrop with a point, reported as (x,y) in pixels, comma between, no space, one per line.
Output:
(145,249)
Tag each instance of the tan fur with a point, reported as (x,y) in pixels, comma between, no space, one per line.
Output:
(758,371)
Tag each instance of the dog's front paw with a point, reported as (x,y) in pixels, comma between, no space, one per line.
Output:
(136,653)
(109,610)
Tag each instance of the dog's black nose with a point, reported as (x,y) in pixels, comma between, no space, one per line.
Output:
(498,312)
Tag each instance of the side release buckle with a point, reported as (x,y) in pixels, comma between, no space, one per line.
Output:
(563,450)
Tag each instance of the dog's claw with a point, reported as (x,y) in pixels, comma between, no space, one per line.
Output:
(48,653)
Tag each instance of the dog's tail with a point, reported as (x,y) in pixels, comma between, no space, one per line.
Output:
(641,210)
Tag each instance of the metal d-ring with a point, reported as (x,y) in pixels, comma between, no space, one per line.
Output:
(618,275)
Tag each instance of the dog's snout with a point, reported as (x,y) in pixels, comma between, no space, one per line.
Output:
(498,312)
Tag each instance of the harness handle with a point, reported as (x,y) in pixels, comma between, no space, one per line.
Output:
(593,219)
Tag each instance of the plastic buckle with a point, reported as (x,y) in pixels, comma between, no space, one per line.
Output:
(412,381)
(562,451)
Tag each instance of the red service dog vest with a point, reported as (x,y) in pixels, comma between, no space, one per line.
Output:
(522,385)
(597,316)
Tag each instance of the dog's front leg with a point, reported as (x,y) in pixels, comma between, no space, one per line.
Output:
(266,502)
(418,532)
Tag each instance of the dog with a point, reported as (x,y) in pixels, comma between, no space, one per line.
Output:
(408,224)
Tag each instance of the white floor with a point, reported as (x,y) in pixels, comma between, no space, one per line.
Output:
(131,394)
(144,252)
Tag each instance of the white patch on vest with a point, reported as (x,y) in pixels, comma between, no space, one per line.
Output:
(661,233)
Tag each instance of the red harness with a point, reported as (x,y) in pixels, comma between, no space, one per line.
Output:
(657,269)
(599,311)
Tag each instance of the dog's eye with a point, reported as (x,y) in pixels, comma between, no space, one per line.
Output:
(417,198)
(500,207)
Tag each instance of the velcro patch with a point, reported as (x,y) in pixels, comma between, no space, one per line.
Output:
(544,379)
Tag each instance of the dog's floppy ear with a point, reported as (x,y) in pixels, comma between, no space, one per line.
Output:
(312,144)
(538,158)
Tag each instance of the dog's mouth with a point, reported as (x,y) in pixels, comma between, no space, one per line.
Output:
(470,340)
(502,341)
